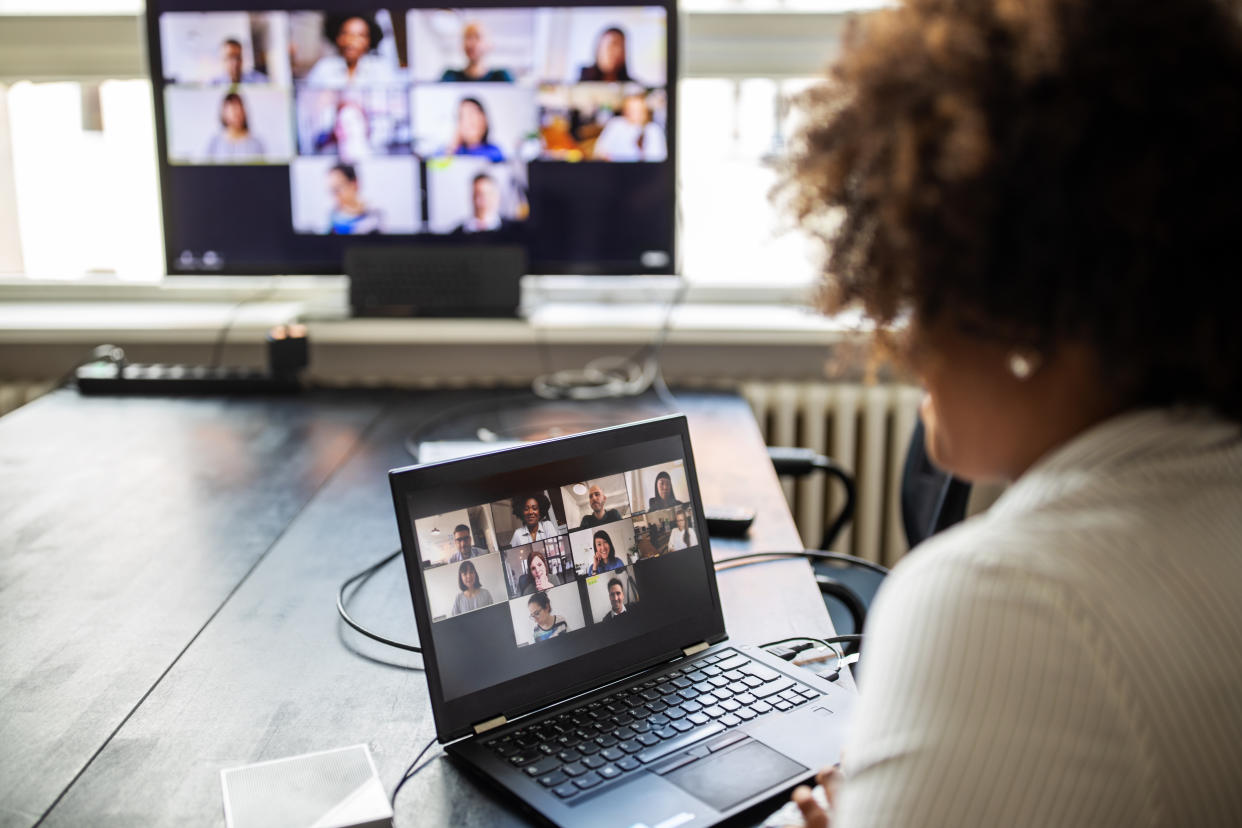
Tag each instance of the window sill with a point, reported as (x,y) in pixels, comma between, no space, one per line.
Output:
(718,334)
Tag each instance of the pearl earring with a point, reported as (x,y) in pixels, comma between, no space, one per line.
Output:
(1023,364)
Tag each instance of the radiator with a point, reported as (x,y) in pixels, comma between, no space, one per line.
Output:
(866,429)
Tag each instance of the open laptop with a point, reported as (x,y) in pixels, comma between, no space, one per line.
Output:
(574,643)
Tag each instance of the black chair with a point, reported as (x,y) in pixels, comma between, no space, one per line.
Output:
(931,500)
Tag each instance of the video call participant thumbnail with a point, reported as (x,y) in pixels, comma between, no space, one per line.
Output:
(356,62)
(463,541)
(683,535)
(547,624)
(605,554)
(546,615)
(234,142)
(631,135)
(662,486)
(664,496)
(536,520)
(596,508)
(613,596)
(485,208)
(351,216)
(473,134)
(476,45)
(487,121)
(610,64)
(234,71)
(472,593)
(652,531)
(453,537)
(463,587)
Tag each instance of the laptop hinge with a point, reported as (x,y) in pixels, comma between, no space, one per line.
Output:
(695,648)
(490,724)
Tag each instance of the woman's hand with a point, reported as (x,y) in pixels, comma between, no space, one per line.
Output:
(812,814)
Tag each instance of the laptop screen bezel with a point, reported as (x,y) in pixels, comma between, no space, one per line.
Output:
(456,717)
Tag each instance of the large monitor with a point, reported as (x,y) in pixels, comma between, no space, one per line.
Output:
(290,133)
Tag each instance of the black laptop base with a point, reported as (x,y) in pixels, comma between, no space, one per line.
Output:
(608,772)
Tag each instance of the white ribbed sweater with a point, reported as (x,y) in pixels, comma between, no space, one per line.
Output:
(1074,655)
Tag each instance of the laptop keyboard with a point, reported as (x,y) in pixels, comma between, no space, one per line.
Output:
(609,737)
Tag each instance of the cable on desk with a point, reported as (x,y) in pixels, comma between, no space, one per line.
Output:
(217,349)
(415,437)
(826,642)
(614,376)
(361,578)
(747,559)
(410,773)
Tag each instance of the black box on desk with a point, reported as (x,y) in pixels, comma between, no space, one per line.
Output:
(439,280)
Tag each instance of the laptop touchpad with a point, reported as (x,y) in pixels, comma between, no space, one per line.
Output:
(723,780)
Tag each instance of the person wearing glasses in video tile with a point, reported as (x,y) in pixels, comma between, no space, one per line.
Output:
(463,545)
(547,625)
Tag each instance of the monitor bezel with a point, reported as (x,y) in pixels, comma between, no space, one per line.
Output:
(456,717)
(597,267)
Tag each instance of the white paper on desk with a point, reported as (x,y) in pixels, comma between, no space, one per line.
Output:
(433,451)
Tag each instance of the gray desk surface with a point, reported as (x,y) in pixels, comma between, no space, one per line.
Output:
(168,573)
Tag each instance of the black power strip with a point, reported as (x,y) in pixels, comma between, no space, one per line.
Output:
(108,378)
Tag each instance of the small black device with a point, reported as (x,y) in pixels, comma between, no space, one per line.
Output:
(573,639)
(435,281)
(729,521)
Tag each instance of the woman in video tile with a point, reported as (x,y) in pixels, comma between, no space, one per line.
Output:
(537,578)
(632,135)
(606,559)
(610,65)
(476,44)
(350,214)
(472,595)
(473,131)
(234,142)
(532,510)
(664,497)
(683,537)
(547,625)
(355,36)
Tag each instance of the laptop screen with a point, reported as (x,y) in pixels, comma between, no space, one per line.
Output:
(538,569)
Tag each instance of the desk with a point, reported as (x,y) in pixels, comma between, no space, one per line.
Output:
(168,572)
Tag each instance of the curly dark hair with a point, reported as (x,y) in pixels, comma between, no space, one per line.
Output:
(518,504)
(1038,173)
(333,23)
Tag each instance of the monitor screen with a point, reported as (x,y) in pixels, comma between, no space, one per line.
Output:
(534,576)
(288,134)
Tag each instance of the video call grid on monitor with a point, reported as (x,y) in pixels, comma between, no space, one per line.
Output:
(548,125)
(604,612)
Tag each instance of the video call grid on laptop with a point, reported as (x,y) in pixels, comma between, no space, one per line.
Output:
(548,571)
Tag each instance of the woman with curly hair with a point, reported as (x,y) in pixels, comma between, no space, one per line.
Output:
(533,511)
(1037,203)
